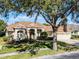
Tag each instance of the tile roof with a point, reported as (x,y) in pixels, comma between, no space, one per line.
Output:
(34,25)
(24,25)
(47,28)
(60,29)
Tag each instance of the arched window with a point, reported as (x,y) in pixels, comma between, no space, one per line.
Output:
(20,35)
(32,32)
(39,31)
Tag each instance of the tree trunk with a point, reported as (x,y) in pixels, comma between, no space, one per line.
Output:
(54,39)
(65,27)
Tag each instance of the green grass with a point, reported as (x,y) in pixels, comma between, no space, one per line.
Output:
(8,50)
(39,53)
(28,55)
(61,46)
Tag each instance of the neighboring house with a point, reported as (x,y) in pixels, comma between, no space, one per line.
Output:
(32,30)
(76,33)
(75,30)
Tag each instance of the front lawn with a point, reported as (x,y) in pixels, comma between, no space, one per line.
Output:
(8,50)
(36,45)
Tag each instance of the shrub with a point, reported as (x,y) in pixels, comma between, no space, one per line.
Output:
(43,35)
(5,38)
(74,36)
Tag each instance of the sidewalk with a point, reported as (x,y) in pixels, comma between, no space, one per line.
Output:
(69,55)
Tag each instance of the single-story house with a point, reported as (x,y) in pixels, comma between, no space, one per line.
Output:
(22,30)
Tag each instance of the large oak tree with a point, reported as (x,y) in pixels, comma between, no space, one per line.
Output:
(52,11)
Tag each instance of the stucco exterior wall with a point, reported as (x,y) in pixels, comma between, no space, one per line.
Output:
(15,34)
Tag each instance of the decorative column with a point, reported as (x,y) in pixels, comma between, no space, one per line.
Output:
(43,30)
(24,33)
(7,33)
(15,35)
(36,34)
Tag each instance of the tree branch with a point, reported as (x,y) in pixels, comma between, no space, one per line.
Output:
(46,19)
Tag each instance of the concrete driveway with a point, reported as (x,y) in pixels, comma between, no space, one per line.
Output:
(67,38)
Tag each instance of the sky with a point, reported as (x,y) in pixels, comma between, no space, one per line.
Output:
(22,17)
